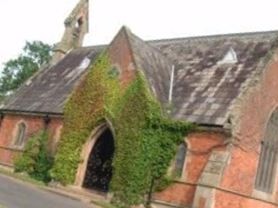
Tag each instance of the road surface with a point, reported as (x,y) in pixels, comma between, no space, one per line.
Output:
(15,194)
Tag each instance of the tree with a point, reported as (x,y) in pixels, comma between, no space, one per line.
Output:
(17,71)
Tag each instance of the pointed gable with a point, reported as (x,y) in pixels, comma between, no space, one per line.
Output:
(155,66)
(130,53)
(121,57)
(204,90)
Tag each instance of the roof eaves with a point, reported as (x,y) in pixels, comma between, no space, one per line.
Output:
(31,113)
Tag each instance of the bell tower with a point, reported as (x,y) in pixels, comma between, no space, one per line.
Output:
(76,27)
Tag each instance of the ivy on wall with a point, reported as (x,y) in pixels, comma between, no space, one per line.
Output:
(36,159)
(146,140)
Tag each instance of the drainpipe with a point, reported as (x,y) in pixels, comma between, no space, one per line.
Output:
(1,118)
(171,84)
(47,120)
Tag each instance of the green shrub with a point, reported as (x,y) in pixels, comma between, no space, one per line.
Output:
(35,160)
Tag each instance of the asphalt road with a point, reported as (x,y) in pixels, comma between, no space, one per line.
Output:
(15,194)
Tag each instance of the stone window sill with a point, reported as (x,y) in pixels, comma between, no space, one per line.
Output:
(264,195)
(13,148)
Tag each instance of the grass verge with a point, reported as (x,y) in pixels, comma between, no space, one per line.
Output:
(103,204)
(21,176)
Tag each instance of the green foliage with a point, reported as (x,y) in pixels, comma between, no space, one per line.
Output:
(145,145)
(163,183)
(146,140)
(35,160)
(16,71)
(82,113)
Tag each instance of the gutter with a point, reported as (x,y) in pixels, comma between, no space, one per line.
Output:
(31,113)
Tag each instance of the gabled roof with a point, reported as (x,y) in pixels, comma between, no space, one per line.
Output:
(205,90)
(204,87)
(154,65)
(48,90)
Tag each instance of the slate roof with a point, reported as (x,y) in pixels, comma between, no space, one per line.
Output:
(154,64)
(204,88)
(47,91)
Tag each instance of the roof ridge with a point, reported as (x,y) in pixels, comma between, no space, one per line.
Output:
(215,36)
(189,38)
(155,49)
(90,47)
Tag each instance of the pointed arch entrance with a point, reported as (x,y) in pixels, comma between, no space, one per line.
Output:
(95,171)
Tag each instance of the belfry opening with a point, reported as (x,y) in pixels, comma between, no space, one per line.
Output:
(99,167)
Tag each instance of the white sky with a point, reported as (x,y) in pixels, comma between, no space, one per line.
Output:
(23,20)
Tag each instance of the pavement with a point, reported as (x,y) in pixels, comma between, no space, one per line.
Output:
(17,194)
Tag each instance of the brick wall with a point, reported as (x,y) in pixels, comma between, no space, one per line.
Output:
(228,200)
(200,146)
(252,113)
(34,124)
(120,55)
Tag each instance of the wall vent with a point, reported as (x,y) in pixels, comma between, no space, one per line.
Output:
(229,58)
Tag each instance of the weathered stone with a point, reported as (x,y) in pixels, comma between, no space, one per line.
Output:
(76,27)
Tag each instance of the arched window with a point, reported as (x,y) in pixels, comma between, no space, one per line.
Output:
(179,160)
(20,135)
(268,157)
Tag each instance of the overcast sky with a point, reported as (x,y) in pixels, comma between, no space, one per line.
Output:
(23,20)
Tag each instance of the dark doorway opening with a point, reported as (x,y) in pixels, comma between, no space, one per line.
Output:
(99,168)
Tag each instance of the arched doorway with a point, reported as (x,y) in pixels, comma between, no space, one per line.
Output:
(98,172)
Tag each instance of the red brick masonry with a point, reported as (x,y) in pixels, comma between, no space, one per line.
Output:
(33,124)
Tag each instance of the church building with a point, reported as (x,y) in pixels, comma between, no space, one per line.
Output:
(227,85)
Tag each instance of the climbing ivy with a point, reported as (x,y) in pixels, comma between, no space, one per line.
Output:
(35,160)
(146,140)
(82,113)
